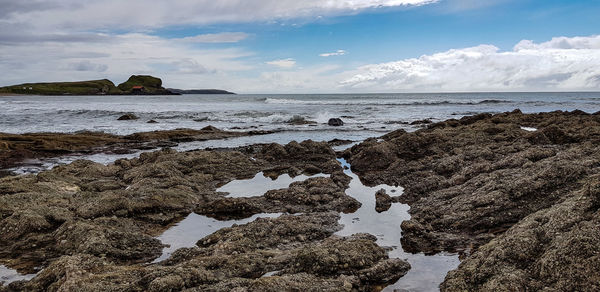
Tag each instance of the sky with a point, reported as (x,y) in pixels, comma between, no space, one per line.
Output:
(309,46)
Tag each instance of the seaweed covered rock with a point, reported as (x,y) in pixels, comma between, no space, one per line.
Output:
(383,201)
(240,258)
(553,249)
(128,117)
(475,184)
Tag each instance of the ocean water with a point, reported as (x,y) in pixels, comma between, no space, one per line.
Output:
(364,115)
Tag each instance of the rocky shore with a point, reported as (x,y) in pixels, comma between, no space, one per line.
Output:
(17,148)
(518,195)
(90,225)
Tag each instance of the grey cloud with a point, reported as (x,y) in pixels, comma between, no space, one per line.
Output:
(77,15)
(10,7)
(547,80)
(21,32)
(190,66)
(87,66)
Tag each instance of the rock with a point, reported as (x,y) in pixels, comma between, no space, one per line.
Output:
(383,201)
(421,122)
(335,122)
(235,258)
(518,205)
(15,149)
(152,122)
(127,117)
(299,120)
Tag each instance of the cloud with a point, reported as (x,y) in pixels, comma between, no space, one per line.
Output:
(283,63)
(179,64)
(10,7)
(312,79)
(336,53)
(87,66)
(559,64)
(52,15)
(225,37)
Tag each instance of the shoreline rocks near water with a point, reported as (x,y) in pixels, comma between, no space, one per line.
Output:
(522,207)
(518,204)
(336,122)
(99,222)
(15,149)
(128,117)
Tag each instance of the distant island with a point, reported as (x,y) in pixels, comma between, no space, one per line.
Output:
(135,85)
(199,91)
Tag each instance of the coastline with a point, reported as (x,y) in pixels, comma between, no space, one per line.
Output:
(478,186)
(16,149)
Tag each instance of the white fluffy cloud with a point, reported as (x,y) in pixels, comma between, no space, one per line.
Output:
(559,64)
(336,53)
(283,63)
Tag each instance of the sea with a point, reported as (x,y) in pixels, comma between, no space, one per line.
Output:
(364,115)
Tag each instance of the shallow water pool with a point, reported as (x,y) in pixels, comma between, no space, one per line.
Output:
(426,272)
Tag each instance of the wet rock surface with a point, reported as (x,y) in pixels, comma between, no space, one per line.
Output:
(336,122)
(383,201)
(16,148)
(128,117)
(521,205)
(93,227)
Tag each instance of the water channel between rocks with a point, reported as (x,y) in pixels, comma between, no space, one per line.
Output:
(426,272)
(8,275)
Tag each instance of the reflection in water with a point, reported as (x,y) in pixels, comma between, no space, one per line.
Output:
(8,276)
(260,184)
(195,227)
(529,129)
(426,272)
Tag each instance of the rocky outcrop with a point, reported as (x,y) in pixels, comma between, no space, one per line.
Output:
(136,84)
(92,226)
(16,148)
(554,249)
(143,85)
(128,117)
(299,120)
(383,201)
(519,205)
(421,122)
(336,122)
(238,258)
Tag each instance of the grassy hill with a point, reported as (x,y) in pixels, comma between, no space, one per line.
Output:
(92,87)
(151,85)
